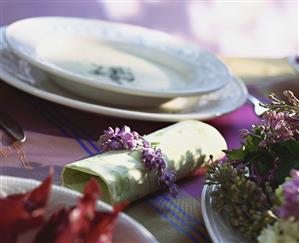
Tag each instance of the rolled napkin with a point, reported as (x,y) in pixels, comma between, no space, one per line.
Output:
(121,174)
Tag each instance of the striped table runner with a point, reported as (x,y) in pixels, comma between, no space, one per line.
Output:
(58,135)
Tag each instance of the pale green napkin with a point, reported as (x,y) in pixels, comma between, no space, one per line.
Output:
(185,146)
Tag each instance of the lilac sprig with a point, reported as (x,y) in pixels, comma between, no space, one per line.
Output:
(277,127)
(279,123)
(290,105)
(246,179)
(119,139)
(290,206)
(153,160)
(151,156)
(274,127)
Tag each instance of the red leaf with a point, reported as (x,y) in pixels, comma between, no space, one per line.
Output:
(53,227)
(91,189)
(8,237)
(102,227)
(24,211)
(86,205)
(81,223)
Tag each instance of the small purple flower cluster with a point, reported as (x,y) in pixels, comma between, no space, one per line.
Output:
(274,127)
(290,207)
(124,139)
(153,160)
(119,139)
(278,126)
(167,179)
(292,99)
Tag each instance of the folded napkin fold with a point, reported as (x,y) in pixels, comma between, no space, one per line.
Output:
(121,174)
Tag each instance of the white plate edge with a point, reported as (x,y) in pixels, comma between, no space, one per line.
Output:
(111,87)
(204,210)
(100,203)
(116,112)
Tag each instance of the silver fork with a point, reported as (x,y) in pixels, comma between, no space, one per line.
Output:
(257,108)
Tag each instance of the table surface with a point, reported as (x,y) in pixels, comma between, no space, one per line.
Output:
(57,135)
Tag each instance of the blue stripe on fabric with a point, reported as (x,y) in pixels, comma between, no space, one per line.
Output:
(62,129)
(70,128)
(69,123)
(174,224)
(180,219)
(182,210)
(58,116)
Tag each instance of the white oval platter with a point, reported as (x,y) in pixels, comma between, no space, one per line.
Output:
(23,76)
(95,59)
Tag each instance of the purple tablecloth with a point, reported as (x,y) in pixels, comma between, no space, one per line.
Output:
(58,135)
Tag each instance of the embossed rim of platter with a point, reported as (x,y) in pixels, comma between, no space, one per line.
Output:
(25,183)
(217,225)
(114,31)
(19,77)
(206,210)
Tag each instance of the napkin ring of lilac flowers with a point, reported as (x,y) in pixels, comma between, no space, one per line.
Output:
(151,156)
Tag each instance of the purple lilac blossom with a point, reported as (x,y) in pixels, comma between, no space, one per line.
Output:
(121,139)
(244,133)
(152,159)
(274,127)
(167,179)
(291,98)
(290,206)
(277,127)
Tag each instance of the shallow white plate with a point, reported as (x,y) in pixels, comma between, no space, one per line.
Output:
(23,76)
(97,59)
(217,225)
(127,229)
